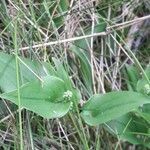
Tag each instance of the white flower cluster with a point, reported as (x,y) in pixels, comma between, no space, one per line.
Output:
(67,95)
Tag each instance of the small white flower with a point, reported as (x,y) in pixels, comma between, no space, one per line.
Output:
(147,88)
(68,94)
(55,112)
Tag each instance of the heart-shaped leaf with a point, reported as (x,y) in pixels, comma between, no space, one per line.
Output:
(8,81)
(105,107)
(44,98)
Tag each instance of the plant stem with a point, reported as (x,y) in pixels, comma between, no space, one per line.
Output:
(18,85)
(81,125)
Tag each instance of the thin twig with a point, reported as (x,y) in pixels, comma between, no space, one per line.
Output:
(9,116)
(108,30)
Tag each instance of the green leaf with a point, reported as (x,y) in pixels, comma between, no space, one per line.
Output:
(8,81)
(81,50)
(63,5)
(105,107)
(61,73)
(58,19)
(44,98)
(132,76)
(131,128)
(142,85)
(85,67)
(84,43)
(145,112)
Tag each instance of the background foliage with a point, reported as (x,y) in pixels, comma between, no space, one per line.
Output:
(87,93)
